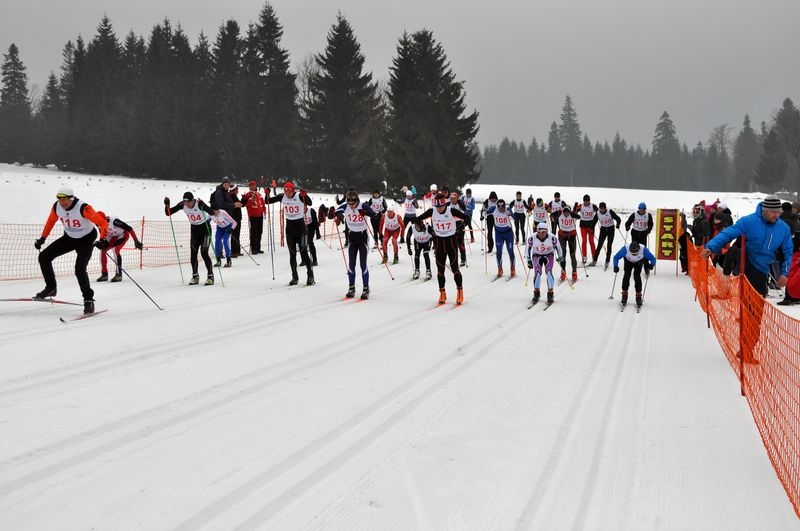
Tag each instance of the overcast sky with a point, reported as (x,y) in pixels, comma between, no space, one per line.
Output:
(706,62)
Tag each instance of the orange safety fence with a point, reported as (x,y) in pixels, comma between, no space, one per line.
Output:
(19,259)
(762,345)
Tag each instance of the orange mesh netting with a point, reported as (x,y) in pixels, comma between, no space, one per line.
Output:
(769,366)
(19,259)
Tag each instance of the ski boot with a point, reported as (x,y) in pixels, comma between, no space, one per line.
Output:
(365,293)
(310,279)
(218,263)
(116,278)
(395,260)
(442,296)
(195,280)
(302,263)
(638,299)
(574,276)
(537,293)
(583,259)
(550,296)
(605,266)
(624,299)
(294,281)
(209,281)
(593,263)
(416,274)
(460,296)
(351,292)
(513,271)
(314,263)
(227,262)
(385,259)
(88,307)
(563,275)
(45,293)
(102,278)
(428,275)
(463,263)
(499,272)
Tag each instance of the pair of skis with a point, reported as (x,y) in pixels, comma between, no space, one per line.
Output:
(625,305)
(547,305)
(50,300)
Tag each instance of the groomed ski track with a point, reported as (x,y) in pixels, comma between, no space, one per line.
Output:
(258,406)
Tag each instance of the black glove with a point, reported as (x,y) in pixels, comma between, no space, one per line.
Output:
(166,201)
(362,211)
(616,269)
(101,244)
(138,245)
(530,264)
(38,243)
(409,249)
(617,225)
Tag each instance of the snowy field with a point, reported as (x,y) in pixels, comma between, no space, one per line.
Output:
(259,406)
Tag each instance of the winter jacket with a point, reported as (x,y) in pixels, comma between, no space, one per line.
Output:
(762,241)
(793,286)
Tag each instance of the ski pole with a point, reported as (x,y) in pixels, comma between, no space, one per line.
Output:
(380,251)
(614,285)
(624,237)
(646,279)
(270,241)
(341,247)
(245,250)
(132,280)
(175,240)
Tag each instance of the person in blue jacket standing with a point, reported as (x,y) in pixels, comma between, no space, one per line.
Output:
(635,256)
(764,235)
(469,207)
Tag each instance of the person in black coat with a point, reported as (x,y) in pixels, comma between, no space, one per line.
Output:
(236,214)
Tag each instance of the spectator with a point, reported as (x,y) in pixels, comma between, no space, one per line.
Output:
(256,210)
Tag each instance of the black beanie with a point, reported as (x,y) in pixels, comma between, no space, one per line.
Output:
(188,196)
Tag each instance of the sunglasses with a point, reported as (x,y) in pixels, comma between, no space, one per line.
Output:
(62,196)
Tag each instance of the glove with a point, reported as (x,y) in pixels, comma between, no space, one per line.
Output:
(266,191)
(38,243)
(138,245)
(530,264)
(362,211)
(166,201)
(331,211)
(481,217)
(647,272)
(616,269)
(302,194)
(409,249)
(228,230)
(617,225)
(101,244)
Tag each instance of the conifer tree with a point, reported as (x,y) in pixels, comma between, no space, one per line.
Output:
(666,153)
(50,124)
(745,158)
(569,134)
(15,108)
(343,100)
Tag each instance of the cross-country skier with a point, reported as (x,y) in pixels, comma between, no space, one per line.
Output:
(554,207)
(640,223)
(422,235)
(200,233)
(539,212)
(391,227)
(542,249)
(520,208)
(469,207)
(443,219)
(118,234)
(410,206)
(378,206)
(587,212)
(79,220)
(353,213)
(504,233)
(490,202)
(294,210)
(312,229)
(635,257)
(567,237)
(222,238)
(609,221)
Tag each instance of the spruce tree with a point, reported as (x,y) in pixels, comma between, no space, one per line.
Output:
(343,101)
(15,108)
(569,134)
(745,158)
(429,128)
(50,124)
(227,53)
(772,163)
(666,154)
(787,125)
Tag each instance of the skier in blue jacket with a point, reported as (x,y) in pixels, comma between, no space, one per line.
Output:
(635,257)
(764,235)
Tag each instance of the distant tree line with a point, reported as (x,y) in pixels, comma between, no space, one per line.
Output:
(766,160)
(161,108)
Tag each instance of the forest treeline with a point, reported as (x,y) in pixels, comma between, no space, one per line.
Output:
(159,107)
